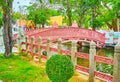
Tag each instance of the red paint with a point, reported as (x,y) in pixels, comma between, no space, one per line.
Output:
(104,60)
(68,34)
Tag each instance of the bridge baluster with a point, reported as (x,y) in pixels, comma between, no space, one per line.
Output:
(116,72)
(48,48)
(73,50)
(92,65)
(26,46)
(32,47)
(39,48)
(59,45)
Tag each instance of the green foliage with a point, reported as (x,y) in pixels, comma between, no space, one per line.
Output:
(0,18)
(59,68)
(16,15)
(15,69)
(68,5)
(105,68)
(88,13)
(97,23)
(94,3)
(39,14)
(104,11)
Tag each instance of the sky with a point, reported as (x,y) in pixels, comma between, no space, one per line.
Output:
(17,3)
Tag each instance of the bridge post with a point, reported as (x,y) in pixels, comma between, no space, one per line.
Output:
(59,45)
(18,46)
(26,46)
(39,48)
(92,64)
(48,48)
(116,71)
(74,24)
(55,25)
(73,50)
(32,47)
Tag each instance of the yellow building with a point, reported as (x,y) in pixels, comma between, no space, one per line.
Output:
(25,23)
(57,19)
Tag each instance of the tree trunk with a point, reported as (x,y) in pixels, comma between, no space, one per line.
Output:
(93,18)
(69,19)
(118,23)
(69,13)
(81,21)
(109,25)
(43,25)
(114,24)
(35,21)
(7,27)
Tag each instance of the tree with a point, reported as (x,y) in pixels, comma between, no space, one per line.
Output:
(16,16)
(90,13)
(7,26)
(67,6)
(117,8)
(40,13)
(0,17)
(94,5)
(110,13)
(81,9)
(33,13)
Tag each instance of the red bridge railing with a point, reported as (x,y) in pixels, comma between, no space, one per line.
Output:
(68,34)
(31,46)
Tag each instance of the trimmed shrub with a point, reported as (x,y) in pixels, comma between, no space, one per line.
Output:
(59,68)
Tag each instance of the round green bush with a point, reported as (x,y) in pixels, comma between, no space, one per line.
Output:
(59,68)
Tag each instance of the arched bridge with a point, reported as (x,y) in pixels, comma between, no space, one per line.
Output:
(68,34)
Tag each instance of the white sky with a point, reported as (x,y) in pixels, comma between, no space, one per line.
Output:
(21,2)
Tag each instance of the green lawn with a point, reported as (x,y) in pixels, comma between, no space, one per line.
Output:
(16,69)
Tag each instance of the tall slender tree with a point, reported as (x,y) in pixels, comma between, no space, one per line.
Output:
(0,17)
(68,6)
(7,26)
(81,8)
(94,5)
(111,14)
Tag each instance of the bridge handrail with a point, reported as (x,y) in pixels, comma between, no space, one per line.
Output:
(80,33)
(100,59)
(77,54)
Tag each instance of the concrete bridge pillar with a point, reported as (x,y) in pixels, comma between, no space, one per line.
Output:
(116,72)
(59,45)
(92,64)
(39,48)
(32,46)
(73,50)
(48,48)
(26,46)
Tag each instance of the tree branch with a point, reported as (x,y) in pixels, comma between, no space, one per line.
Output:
(105,5)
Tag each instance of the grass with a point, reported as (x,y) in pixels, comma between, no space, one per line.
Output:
(18,69)
(15,69)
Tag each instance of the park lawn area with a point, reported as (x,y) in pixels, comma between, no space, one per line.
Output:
(17,69)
